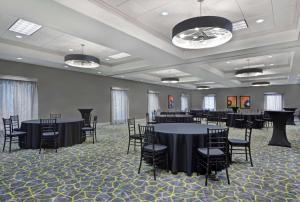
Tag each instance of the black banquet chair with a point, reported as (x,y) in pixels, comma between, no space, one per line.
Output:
(151,151)
(134,138)
(11,135)
(49,133)
(90,130)
(242,146)
(215,155)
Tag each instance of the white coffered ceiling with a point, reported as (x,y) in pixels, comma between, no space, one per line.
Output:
(137,27)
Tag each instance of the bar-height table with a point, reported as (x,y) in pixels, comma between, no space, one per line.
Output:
(279,119)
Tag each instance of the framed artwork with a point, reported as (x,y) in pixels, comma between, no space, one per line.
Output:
(231,101)
(170,102)
(245,102)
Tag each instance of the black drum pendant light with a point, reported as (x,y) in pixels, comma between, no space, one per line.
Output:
(202,32)
(81,60)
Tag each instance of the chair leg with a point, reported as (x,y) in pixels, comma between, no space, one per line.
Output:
(206,174)
(154,169)
(41,142)
(10,139)
(250,156)
(141,159)
(231,154)
(246,153)
(56,145)
(227,174)
(96,135)
(93,138)
(128,145)
(4,143)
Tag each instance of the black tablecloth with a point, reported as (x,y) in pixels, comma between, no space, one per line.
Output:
(174,118)
(69,132)
(182,140)
(247,116)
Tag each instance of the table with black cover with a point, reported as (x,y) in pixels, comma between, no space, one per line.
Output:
(279,119)
(290,120)
(247,116)
(178,118)
(182,140)
(69,132)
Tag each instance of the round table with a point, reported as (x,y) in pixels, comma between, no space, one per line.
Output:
(279,119)
(247,116)
(178,118)
(182,140)
(290,120)
(69,132)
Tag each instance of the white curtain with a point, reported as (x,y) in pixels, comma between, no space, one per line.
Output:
(153,103)
(273,102)
(209,102)
(184,102)
(18,98)
(119,106)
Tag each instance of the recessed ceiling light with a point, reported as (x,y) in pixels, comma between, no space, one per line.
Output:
(19,58)
(164,13)
(122,76)
(170,80)
(99,72)
(71,49)
(107,59)
(260,21)
(19,36)
(239,25)
(66,66)
(270,56)
(228,62)
(202,87)
(251,72)
(271,64)
(261,83)
(24,27)
(119,56)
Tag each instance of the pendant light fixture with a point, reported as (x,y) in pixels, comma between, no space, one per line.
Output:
(170,80)
(82,60)
(249,72)
(202,32)
(261,83)
(203,87)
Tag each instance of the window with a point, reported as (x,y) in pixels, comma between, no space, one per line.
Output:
(119,106)
(18,98)
(153,104)
(209,102)
(273,102)
(184,102)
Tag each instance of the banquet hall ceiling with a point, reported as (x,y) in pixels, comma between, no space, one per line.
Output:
(137,27)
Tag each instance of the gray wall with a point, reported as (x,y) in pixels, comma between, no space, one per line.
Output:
(64,91)
(291,95)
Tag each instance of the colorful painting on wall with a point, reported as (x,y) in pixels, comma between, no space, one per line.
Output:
(170,102)
(231,101)
(245,102)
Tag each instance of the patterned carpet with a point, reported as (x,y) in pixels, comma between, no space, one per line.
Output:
(103,172)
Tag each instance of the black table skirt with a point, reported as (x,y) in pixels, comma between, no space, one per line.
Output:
(248,117)
(69,133)
(182,148)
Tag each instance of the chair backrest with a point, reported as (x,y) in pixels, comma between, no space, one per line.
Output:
(218,139)
(95,122)
(15,122)
(48,125)
(55,116)
(131,126)
(147,134)
(7,126)
(248,131)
